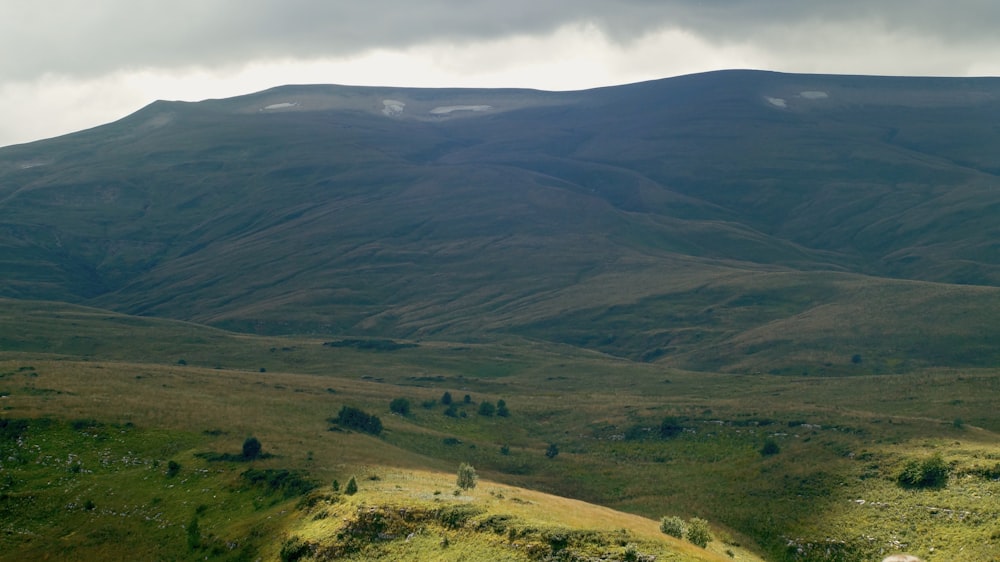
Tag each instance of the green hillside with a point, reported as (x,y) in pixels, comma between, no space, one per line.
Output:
(783,468)
(641,220)
(763,305)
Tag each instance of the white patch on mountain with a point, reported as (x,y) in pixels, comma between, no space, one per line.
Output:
(392,107)
(444,110)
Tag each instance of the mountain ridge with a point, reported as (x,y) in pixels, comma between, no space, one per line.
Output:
(461,213)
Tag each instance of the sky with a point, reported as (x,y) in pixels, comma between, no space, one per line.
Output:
(67,65)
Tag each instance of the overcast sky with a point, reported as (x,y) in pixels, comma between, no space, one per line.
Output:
(67,65)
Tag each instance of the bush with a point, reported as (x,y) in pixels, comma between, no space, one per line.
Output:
(352,487)
(670,427)
(467,476)
(446,398)
(770,448)
(487,409)
(288,482)
(929,473)
(400,406)
(552,451)
(357,419)
(173,468)
(673,526)
(502,410)
(251,448)
(698,532)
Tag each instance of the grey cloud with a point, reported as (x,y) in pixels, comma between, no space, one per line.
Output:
(72,38)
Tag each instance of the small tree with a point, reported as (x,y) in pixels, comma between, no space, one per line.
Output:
(486,408)
(552,451)
(400,406)
(673,526)
(502,410)
(467,399)
(352,487)
(698,532)
(251,448)
(446,398)
(467,476)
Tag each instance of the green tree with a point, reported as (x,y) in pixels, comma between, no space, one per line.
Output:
(673,526)
(400,406)
(502,410)
(487,408)
(552,451)
(251,448)
(698,532)
(358,419)
(467,476)
(446,398)
(352,487)
(467,399)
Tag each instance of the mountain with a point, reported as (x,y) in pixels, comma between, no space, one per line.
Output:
(739,221)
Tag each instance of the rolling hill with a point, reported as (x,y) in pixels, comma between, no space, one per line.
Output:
(738,221)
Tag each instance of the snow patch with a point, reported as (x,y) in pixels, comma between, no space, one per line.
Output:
(282,105)
(443,110)
(392,107)
(814,95)
(777,102)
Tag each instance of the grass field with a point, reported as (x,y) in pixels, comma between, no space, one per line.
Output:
(106,420)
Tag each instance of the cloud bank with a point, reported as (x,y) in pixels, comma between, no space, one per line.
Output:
(69,64)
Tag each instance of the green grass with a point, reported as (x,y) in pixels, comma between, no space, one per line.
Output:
(840,439)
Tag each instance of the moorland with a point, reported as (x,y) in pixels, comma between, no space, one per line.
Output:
(762,300)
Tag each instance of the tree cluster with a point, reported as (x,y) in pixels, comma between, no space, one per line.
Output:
(360,420)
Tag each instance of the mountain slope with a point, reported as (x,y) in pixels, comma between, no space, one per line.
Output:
(595,217)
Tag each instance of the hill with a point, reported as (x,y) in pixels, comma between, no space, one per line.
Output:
(111,447)
(743,221)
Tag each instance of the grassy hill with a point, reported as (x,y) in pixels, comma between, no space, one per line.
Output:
(655,442)
(768,301)
(595,218)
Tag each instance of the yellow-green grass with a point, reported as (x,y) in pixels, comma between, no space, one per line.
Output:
(525,519)
(830,429)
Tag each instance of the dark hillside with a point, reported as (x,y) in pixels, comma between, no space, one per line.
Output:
(646,220)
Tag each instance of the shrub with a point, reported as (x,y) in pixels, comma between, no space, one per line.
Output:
(400,406)
(487,409)
(289,483)
(467,476)
(929,473)
(295,549)
(698,532)
(552,451)
(502,410)
(173,467)
(467,399)
(193,534)
(446,398)
(251,448)
(505,449)
(359,420)
(770,448)
(670,427)
(673,526)
(352,487)
(451,411)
